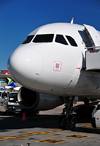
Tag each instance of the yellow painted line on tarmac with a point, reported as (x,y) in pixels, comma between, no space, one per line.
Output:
(53,141)
(56,130)
(44,133)
(29,134)
(85,125)
(34,133)
(77,136)
(15,137)
(3,138)
(88,126)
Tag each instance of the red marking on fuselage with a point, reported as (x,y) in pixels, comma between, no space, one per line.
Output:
(78,68)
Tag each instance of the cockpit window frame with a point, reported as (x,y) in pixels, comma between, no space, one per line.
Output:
(48,38)
(71,41)
(28,39)
(63,42)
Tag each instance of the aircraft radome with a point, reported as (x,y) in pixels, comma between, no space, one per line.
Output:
(56,63)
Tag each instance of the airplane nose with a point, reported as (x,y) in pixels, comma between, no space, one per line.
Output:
(25,64)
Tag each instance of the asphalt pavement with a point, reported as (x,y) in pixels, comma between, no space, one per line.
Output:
(43,130)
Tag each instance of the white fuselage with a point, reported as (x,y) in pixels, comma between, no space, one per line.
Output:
(55,67)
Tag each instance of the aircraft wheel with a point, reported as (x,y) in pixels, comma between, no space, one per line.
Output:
(61,121)
(93,123)
(71,123)
(66,124)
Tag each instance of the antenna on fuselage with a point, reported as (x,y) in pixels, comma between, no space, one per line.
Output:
(72,20)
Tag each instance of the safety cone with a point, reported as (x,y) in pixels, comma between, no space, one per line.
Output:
(24,117)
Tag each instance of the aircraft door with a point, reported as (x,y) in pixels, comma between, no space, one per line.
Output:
(93,35)
(93,52)
(85,39)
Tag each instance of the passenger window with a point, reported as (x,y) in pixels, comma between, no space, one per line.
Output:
(60,39)
(43,38)
(28,39)
(72,41)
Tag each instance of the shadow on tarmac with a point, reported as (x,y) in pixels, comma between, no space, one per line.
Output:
(42,121)
(15,121)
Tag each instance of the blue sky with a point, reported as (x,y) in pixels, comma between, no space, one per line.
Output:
(19,17)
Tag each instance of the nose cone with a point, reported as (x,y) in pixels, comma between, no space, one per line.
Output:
(25,64)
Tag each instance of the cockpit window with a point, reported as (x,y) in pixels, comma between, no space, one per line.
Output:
(60,39)
(72,41)
(28,39)
(43,38)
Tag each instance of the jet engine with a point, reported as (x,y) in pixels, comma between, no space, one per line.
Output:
(31,100)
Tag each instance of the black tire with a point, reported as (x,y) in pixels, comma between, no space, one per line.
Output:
(71,123)
(61,121)
(66,124)
(93,123)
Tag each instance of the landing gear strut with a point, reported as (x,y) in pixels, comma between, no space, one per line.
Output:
(67,121)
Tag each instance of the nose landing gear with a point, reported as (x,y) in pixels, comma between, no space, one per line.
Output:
(67,121)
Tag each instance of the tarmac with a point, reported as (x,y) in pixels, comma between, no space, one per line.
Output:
(43,130)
